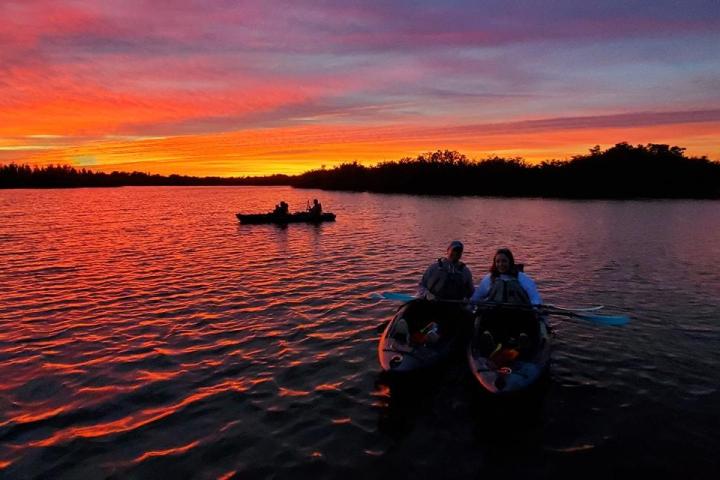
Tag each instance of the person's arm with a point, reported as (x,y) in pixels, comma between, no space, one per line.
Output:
(481,291)
(423,285)
(469,286)
(529,285)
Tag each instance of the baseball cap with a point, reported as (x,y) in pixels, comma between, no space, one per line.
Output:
(455,244)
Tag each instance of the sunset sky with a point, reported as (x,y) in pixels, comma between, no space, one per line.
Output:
(253,87)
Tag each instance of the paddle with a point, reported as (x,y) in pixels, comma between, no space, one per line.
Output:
(581,313)
(401,297)
(572,309)
(614,320)
(404,297)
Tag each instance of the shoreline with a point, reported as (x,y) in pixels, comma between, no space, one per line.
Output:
(621,172)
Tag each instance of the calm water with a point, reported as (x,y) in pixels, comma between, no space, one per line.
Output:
(144,332)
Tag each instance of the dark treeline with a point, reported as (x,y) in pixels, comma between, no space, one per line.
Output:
(64,176)
(622,171)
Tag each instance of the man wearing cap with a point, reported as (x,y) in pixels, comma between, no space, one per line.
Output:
(447,278)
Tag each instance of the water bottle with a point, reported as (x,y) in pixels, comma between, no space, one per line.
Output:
(431,333)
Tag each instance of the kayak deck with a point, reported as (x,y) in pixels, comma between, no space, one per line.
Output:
(502,365)
(406,353)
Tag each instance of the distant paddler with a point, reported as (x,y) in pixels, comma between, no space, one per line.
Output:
(281,208)
(315,209)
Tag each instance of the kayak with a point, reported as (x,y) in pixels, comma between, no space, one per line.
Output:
(432,334)
(510,348)
(281,218)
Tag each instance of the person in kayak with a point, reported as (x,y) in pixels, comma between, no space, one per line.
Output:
(281,208)
(445,279)
(316,208)
(506,283)
(448,278)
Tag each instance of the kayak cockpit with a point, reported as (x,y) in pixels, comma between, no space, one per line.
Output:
(421,334)
(510,348)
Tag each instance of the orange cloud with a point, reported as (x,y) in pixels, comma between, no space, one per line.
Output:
(66,105)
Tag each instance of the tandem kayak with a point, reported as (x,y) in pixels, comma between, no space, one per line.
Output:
(510,348)
(280,218)
(433,332)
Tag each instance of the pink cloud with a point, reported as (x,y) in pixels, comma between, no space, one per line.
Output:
(184,67)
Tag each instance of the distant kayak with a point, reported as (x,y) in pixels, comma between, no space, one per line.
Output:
(504,361)
(434,331)
(281,218)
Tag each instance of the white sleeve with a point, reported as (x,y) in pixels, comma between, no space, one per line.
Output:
(529,285)
(481,290)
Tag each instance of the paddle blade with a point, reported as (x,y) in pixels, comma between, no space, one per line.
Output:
(614,320)
(401,297)
(572,309)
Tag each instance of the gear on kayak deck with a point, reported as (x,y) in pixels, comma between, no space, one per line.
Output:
(509,349)
(421,334)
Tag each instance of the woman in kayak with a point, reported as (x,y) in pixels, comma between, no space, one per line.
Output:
(506,283)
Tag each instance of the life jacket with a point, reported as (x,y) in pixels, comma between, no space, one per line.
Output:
(508,290)
(448,283)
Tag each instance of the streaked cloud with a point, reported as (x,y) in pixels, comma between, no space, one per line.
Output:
(77,77)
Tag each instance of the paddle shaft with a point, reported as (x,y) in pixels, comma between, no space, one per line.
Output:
(580,313)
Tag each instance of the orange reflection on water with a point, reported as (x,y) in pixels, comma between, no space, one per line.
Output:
(157,376)
(341,421)
(328,387)
(287,392)
(67,369)
(106,391)
(35,417)
(168,452)
(328,335)
(140,418)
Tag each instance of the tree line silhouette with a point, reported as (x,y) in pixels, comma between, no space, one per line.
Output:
(621,171)
(65,176)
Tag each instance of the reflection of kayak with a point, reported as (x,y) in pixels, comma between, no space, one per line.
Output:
(500,362)
(299,217)
(397,354)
